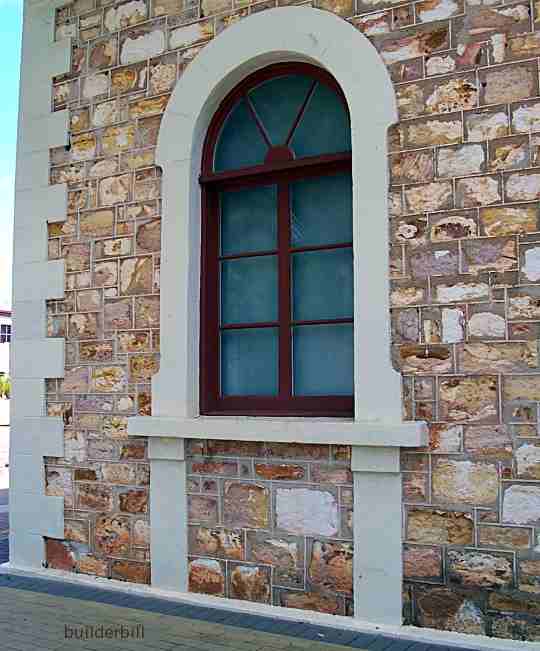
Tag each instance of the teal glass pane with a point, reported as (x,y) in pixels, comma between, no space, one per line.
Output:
(240,143)
(249,362)
(321,210)
(249,220)
(249,290)
(277,102)
(322,285)
(323,362)
(324,127)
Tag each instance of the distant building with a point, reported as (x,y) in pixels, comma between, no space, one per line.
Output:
(5,339)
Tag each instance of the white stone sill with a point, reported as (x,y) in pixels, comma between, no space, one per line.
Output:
(284,430)
(412,633)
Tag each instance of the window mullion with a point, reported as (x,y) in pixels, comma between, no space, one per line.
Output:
(284,238)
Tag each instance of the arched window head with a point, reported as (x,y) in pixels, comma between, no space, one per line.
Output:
(277,257)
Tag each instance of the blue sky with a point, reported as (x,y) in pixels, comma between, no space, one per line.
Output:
(10,37)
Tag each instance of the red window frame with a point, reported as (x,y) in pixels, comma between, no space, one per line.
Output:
(280,169)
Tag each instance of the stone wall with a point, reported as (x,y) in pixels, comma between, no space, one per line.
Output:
(465,171)
(284,509)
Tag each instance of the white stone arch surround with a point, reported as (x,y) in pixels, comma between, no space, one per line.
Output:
(377,431)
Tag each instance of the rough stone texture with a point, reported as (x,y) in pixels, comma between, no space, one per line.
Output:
(464,220)
(270,519)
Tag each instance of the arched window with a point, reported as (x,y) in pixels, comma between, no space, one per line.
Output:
(277,256)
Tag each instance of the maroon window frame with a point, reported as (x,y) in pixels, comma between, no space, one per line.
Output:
(280,169)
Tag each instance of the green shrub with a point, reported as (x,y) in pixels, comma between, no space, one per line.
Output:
(5,386)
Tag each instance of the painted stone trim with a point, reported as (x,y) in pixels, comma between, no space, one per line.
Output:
(35,436)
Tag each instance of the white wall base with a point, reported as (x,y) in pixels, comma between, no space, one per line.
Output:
(426,635)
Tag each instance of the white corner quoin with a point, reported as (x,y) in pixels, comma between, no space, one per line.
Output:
(377,431)
(34,357)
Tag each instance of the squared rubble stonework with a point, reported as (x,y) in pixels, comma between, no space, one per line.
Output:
(273,522)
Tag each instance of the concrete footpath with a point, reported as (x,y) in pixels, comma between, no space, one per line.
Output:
(49,615)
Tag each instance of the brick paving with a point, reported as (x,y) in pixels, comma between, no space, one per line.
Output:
(37,613)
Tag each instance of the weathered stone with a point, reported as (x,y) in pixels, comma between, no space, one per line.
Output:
(274,550)
(431,132)
(528,461)
(125,15)
(76,530)
(465,482)
(445,438)
(504,537)
(402,296)
(526,118)
(251,583)
(281,471)
(422,562)
(477,191)
(136,275)
(521,504)
(146,311)
(118,138)
(432,196)
(424,359)
(59,554)
(105,274)
(509,154)
(317,601)
(529,576)
(486,125)
(91,565)
(490,440)
(191,34)
(94,498)
(516,628)
(207,577)
(108,379)
(479,569)
(133,501)
(83,146)
(523,187)
(508,84)
(430,10)
(77,257)
(74,446)
(412,167)
(118,314)
(75,380)
(443,609)
(410,99)
(418,44)
(102,54)
(439,527)
(331,566)
(306,511)
(525,387)
(460,161)
(246,505)
(130,571)
(497,357)
(324,474)
(509,220)
(453,227)
(468,398)
(143,367)
(141,533)
(223,543)
(142,46)
(454,95)
(114,189)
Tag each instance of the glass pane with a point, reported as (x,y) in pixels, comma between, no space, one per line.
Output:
(323,360)
(324,127)
(240,143)
(249,362)
(277,103)
(321,210)
(322,285)
(249,290)
(248,220)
